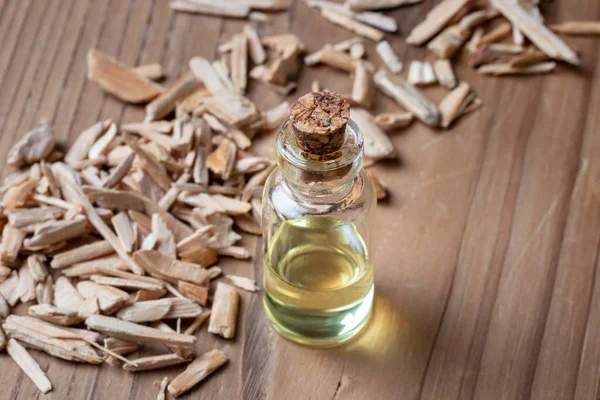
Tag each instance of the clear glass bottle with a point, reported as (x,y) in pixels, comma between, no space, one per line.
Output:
(318,216)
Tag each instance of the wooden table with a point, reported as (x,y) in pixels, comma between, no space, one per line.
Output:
(487,250)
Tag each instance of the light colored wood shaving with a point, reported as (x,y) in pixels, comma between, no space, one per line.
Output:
(119,80)
(222,8)
(451,105)
(155,362)
(445,74)
(421,74)
(408,97)
(380,189)
(130,331)
(435,20)
(507,69)
(153,72)
(28,365)
(378,4)
(199,369)
(394,120)
(224,311)
(82,253)
(169,269)
(12,240)
(243,282)
(377,144)
(389,57)
(34,146)
(538,33)
(352,25)
(577,28)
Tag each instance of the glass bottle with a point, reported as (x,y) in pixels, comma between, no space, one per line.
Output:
(318,216)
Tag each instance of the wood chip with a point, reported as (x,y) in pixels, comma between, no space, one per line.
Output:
(56,232)
(435,20)
(408,97)
(357,51)
(145,311)
(363,87)
(120,347)
(389,57)
(257,16)
(197,293)
(26,288)
(378,4)
(164,236)
(109,298)
(37,267)
(8,289)
(444,73)
(538,33)
(577,28)
(101,146)
(66,297)
(86,139)
(216,203)
(209,7)
(154,72)
(20,195)
(452,104)
(82,253)
(421,74)
(506,48)
(498,33)
(119,80)
(44,291)
(185,85)
(239,62)
(199,369)
(243,282)
(12,240)
(507,69)
(150,164)
(529,57)
(155,362)
(222,160)
(183,308)
(276,116)
(380,189)
(125,283)
(21,217)
(352,25)
(200,255)
(45,336)
(125,230)
(131,331)
(28,365)
(35,145)
(224,311)
(449,41)
(377,144)
(205,72)
(394,120)
(55,315)
(232,109)
(169,269)
(337,59)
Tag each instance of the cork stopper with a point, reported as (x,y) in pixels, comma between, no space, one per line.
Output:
(319,123)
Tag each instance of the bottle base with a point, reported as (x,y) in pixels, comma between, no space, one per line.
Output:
(328,328)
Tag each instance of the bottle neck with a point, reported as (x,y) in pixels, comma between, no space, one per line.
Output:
(324,178)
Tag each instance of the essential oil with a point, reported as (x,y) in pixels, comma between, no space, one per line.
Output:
(318,211)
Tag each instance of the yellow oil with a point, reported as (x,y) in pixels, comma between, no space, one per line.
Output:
(318,281)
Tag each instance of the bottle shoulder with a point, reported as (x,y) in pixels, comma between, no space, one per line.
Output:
(279,197)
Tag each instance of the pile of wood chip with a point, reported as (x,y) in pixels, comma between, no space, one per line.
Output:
(125,230)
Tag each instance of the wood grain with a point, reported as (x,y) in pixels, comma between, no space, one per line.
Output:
(487,254)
